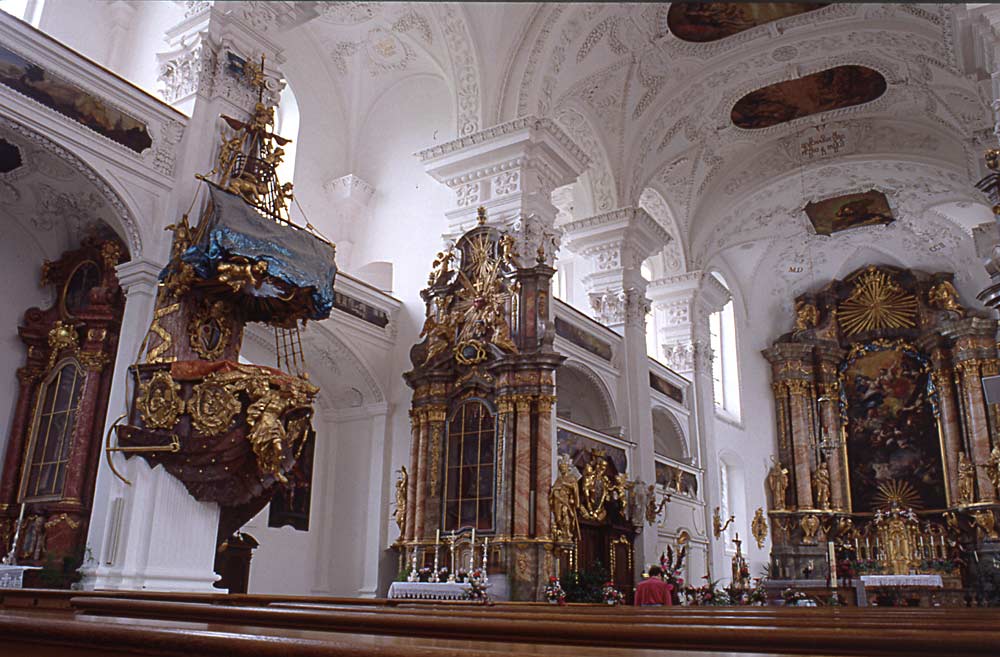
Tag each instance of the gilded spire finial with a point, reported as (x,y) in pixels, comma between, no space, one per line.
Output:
(481,216)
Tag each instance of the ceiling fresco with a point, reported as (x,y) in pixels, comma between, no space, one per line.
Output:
(839,213)
(834,88)
(710,21)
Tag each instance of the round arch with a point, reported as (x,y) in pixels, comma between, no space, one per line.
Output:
(668,436)
(583,398)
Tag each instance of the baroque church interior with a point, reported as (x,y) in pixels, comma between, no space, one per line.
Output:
(357,327)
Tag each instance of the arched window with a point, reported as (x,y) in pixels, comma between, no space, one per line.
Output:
(470,467)
(52,433)
(286,124)
(726,504)
(725,369)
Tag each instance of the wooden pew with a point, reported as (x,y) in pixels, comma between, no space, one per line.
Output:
(781,632)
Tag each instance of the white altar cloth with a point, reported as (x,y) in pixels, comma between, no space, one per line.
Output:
(902,580)
(428,590)
(12,577)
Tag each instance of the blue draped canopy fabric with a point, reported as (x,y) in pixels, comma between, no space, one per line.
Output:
(295,258)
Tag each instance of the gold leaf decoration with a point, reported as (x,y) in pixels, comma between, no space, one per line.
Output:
(877,302)
(899,492)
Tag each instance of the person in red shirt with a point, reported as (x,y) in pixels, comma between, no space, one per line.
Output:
(653,590)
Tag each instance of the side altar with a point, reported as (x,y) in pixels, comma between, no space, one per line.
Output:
(482,435)
(888,457)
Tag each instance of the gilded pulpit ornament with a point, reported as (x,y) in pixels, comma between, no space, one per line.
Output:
(208,331)
(966,480)
(985,522)
(401,492)
(821,485)
(159,401)
(758,527)
(877,302)
(809,525)
(564,503)
(212,407)
(777,481)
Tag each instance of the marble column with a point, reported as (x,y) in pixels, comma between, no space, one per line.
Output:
(544,449)
(799,402)
(409,527)
(420,500)
(522,467)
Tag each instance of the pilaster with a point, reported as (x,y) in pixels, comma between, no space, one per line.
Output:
(616,243)
(682,305)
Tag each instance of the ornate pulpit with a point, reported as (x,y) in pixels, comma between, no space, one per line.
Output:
(232,432)
(886,446)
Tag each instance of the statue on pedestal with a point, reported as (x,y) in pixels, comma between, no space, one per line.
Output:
(966,480)
(777,481)
(400,514)
(564,501)
(821,485)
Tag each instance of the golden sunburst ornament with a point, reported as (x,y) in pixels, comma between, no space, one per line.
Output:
(877,302)
(899,492)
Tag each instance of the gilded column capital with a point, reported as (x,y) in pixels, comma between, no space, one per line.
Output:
(522,402)
(505,404)
(797,387)
(545,403)
(27,375)
(437,413)
(93,361)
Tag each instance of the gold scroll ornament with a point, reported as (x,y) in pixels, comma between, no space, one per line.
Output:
(159,401)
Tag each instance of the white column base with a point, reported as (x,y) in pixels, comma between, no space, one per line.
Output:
(163,539)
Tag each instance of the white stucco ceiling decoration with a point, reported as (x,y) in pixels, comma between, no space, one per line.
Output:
(51,198)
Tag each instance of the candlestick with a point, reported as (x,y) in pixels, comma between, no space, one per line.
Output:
(413,577)
(434,575)
(485,551)
(451,573)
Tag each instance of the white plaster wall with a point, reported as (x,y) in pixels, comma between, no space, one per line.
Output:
(20,262)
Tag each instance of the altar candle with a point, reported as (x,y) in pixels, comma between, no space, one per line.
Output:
(437,537)
(473,538)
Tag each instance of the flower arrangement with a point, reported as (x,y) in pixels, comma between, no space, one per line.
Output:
(612,596)
(554,592)
(477,587)
(757,596)
(673,567)
(944,566)
(707,595)
(794,598)
(461,575)
(424,574)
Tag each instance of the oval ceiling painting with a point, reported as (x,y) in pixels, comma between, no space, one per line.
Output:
(710,21)
(834,88)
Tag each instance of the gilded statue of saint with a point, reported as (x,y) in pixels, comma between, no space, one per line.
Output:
(400,513)
(777,481)
(564,501)
(993,468)
(966,480)
(985,522)
(821,486)
(806,316)
(944,296)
